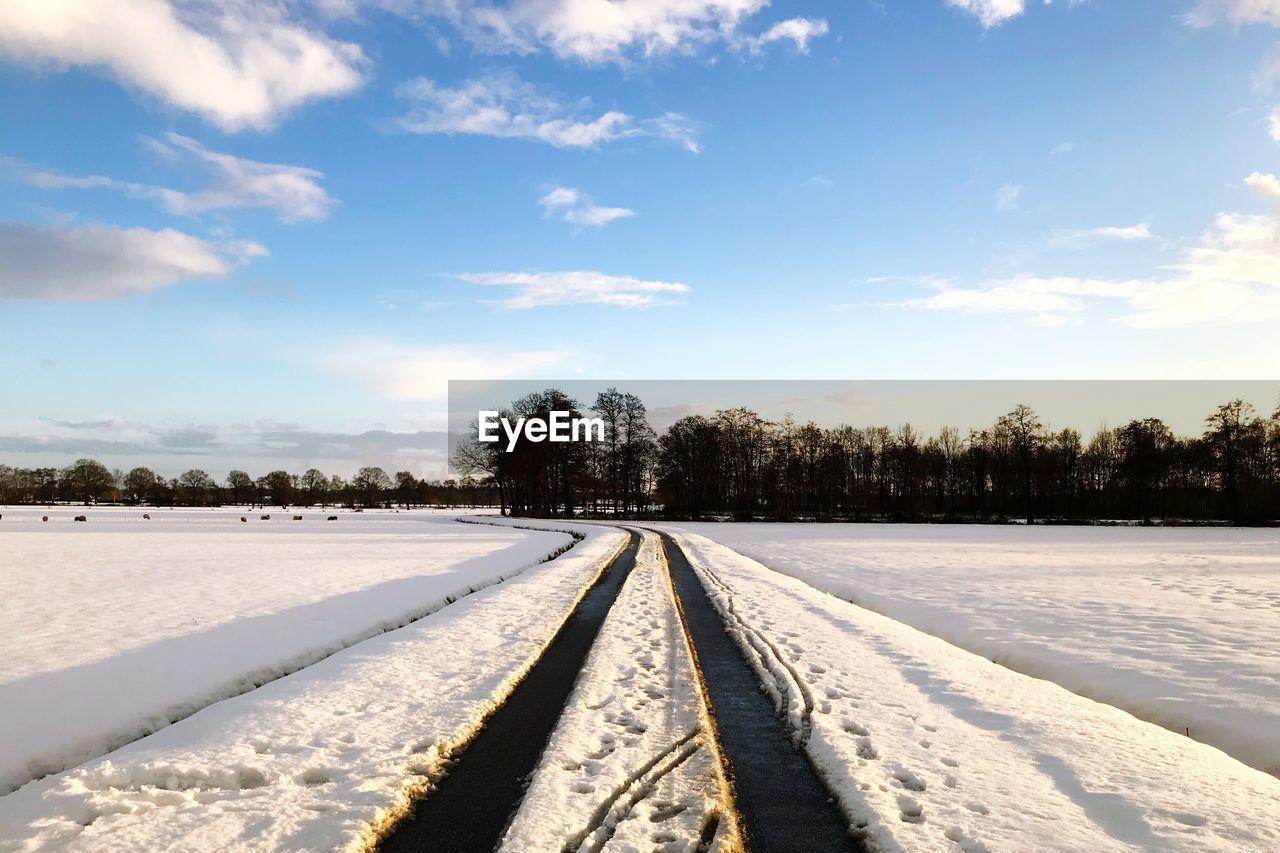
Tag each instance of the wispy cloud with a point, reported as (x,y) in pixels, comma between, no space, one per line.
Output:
(536,290)
(598,31)
(574,206)
(1086,236)
(500,104)
(1007,197)
(799,31)
(1231,276)
(990,13)
(293,192)
(238,65)
(1062,148)
(94,262)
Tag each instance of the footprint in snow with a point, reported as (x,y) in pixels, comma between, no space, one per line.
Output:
(853,728)
(950,762)
(910,810)
(908,780)
(977,808)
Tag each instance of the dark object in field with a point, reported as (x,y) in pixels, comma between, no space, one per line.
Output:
(146,516)
(79,518)
(44,518)
(297,518)
(265,517)
(243,519)
(333,518)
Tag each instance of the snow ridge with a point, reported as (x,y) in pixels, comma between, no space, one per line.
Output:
(930,747)
(633,762)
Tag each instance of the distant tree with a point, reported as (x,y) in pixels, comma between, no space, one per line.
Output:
(1026,435)
(87,480)
(195,487)
(1226,431)
(278,486)
(315,485)
(406,487)
(339,491)
(369,484)
(1144,455)
(240,486)
(140,485)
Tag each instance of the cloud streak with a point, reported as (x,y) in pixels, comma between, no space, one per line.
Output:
(574,206)
(293,192)
(1231,276)
(581,287)
(502,105)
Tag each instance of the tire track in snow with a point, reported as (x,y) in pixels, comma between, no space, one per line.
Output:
(471,806)
(759,748)
(786,686)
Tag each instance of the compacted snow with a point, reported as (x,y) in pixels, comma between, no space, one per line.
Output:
(630,765)
(117,626)
(929,747)
(324,758)
(1180,627)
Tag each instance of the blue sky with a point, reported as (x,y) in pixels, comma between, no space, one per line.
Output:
(266,234)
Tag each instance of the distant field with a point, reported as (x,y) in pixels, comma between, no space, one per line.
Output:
(1177,626)
(115,627)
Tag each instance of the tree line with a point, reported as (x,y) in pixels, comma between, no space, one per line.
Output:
(738,464)
(88,481)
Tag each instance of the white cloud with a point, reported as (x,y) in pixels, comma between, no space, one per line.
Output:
(799,30)
(607,30)
(500,104)
(574,206)
(990,13)
(93,262)
(1084,236)
(294,192)
(238,64)
(534,290)
(1208,12)
(1007,197)
(1231,276)
(1264,184)
(1063,148)
(1273,125)
(404,372)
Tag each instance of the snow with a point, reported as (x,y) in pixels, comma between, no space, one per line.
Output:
(116,627)
(323,758)
(930,747)
(1180,627)
(630,765)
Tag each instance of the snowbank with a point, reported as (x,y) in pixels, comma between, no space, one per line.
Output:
(930,747)
(117,627)
(322,758)
(1176,626)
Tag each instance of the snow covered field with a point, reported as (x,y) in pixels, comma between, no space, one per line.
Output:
(630,765)
(116,627)
(932,748)
(324,757)
(1180,627)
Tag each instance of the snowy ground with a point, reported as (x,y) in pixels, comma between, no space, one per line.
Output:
(115,627)
(1180,627)
(321,759)
(932,748)
(630,766)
